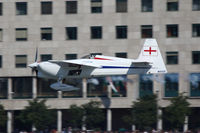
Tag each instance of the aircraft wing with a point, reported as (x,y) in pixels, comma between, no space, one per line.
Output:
(73,63)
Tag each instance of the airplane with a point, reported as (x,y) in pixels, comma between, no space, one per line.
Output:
(149,61)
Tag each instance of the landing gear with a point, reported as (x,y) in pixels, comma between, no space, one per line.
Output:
(60,80)
(59,86)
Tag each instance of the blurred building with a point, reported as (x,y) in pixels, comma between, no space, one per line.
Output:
(69,29)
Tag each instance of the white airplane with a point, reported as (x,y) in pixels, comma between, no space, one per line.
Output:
(149,62)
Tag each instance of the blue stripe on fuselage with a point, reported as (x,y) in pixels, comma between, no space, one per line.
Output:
(121,67)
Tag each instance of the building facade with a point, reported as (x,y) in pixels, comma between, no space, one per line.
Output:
(69,29)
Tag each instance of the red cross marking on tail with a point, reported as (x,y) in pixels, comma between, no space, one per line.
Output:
(150,50)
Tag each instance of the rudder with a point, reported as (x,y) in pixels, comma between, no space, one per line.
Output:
(151,53)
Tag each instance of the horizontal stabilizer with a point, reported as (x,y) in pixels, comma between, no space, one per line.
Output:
(142,63)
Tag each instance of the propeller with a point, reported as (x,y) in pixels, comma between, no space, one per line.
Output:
(36,54)
(35,64)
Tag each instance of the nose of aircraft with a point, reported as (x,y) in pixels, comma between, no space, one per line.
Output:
(33,65)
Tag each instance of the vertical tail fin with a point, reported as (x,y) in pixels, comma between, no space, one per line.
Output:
(151,53)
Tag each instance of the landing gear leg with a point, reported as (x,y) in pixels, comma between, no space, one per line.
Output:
(60,80)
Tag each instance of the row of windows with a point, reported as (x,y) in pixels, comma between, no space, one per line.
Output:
(22,86)
(171,58)
(171,84)
(96,6)
(71,33)
(21,60)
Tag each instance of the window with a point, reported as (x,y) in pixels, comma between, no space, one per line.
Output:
(3,88)
(171,85)
(20,61)
(196,5)
(172,30)
(1,35)
(71,7)
(196,30)
(147,5)
(96,32)
(194,84)
(22,87)
(146,31)
(146,85)
(121,5)
(97,87)
(46,33)
(46,8)
(0,61)
(1,9)
(120,85)
(44,90)
(21,8)
(195,57)
(121,32)
(21,34)
(70,56)
(71,33)
(46,57)
(74,72)
(96,6)
(121,55)
(172,58)
(94,54)
(172,5)
(76,83)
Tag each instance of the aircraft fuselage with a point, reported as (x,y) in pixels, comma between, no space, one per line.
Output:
(108,68)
